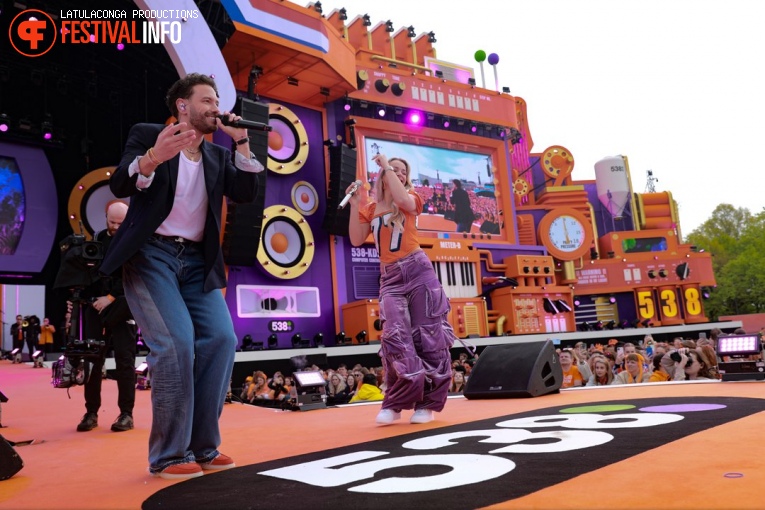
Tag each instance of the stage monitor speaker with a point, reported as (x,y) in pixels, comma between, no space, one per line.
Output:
(517,370)
(241,235)
(10,462)
(342,173)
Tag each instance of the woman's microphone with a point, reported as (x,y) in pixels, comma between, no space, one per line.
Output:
(347,198)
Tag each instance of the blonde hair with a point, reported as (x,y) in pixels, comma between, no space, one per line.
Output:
(397,217)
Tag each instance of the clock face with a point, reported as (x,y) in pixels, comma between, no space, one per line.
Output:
(567,233)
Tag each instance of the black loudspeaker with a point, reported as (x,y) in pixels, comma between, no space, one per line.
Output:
(10,462)
(241,235)
(518,370)
(342,173)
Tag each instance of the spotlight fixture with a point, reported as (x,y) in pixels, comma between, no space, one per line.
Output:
(439,73)
(515,136)
(381,110)
(598,326)
(389,26)
(296,340)
(577,302)
(584,326)
(247,342)
(37,358)
(505,90)
(366,20)
(5,123)
(431,37)
(329,142)
(612,300)
(292,81)
(364,104)
(347,105)
(143,381)
(706,292)
(324,91)
(414,118)
(318,340)
(410,33)
(361,337)
(317,7)
(593,253)
(610,325)
(471,82)
(624,324)
(273,341)
(646,323)
(350,122)
(340,338)
(446,122)
(16,355)
(343,14)
(473,128)
(562,305)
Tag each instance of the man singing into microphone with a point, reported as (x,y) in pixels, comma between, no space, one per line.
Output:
(169,249)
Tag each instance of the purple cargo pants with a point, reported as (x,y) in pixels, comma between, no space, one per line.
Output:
(416,336)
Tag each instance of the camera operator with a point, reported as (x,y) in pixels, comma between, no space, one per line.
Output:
(108,318)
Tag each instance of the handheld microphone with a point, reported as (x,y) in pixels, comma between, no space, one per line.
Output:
(241,123)
(347,198)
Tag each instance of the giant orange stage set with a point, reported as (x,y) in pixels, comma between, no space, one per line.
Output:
(545,254)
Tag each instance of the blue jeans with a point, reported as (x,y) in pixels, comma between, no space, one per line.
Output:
(416,336)
(192,344)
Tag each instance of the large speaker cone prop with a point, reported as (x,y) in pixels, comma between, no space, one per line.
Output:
(287,245)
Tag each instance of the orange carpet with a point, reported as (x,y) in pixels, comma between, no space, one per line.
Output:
(721,467)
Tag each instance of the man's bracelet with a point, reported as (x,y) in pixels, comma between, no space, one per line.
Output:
(154,159)
(243,141)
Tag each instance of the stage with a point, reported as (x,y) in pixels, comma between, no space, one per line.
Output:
(680,445)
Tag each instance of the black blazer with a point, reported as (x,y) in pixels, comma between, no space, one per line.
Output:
(149,207)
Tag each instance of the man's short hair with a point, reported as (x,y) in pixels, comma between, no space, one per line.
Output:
(184,87)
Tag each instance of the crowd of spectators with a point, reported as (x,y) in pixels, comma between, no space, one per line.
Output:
(615,363)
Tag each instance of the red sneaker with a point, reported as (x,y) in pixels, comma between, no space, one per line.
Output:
(218,463)
(180,471)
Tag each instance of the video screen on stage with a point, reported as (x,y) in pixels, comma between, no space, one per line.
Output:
(456,186)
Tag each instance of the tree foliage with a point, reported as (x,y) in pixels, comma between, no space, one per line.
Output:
(736,239)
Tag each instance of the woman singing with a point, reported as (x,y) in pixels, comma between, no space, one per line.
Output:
(416,336)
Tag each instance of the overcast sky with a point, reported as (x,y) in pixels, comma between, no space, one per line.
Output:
(674,85)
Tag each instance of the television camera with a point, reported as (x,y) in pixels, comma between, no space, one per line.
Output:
(80,260)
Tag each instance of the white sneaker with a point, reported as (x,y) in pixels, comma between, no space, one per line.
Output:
(387,416)
(422,416)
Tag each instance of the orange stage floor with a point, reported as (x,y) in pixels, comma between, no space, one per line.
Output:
(721,467)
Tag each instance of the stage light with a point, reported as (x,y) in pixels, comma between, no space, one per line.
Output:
(246,342)
(5,123)
(364,104)
(410,33)
(598,326)
(473,128)
(739,344)
(515,136)
(471,82)
(343,14)
(612,300)
(366,21)
(446,122)
(317,7)
(439,73)
(142,380)
(584,326)
(318,340)
(296,340)
(646,323)
(706,292)
(431,37)
(340,338)
(47,128)
(16,355)
(505,90)
(361,337)
(577,302)
(381,110)
(324,91)
(549,306)
(347,105)
(329,142)
(273,341)
(37,358)
(414,118)
(610,325)
(292,81)
(389,26)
